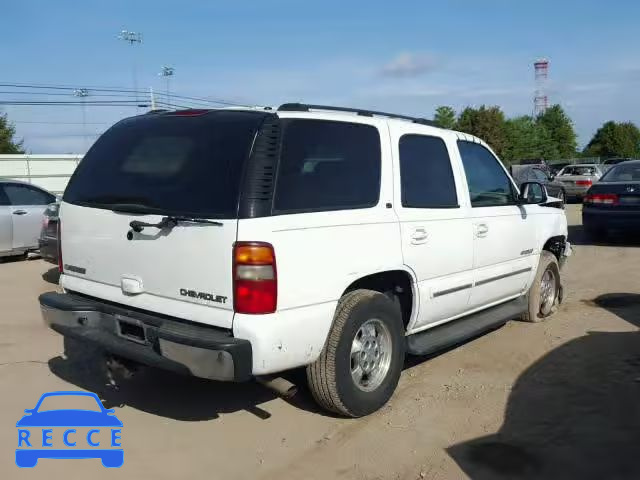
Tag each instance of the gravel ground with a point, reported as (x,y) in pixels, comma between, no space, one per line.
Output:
(558,399)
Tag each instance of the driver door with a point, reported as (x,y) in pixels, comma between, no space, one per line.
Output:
(504,232)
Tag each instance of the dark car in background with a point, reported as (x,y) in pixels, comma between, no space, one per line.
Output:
(614,202)
(533,173)
(48,240)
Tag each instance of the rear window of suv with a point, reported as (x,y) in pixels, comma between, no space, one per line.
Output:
(327,165)
(182,165)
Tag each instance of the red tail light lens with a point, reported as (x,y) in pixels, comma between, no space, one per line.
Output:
(255,281)
(601,199)
(59,238)
(584,183)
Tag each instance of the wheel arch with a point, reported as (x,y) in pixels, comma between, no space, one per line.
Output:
(397,283)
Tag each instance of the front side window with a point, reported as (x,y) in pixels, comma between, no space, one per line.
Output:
(489,185)
(326,165)
(25,195)
(425,173)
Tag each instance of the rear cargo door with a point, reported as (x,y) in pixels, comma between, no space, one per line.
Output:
(180,174)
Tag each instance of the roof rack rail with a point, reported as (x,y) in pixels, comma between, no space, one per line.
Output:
(303,107)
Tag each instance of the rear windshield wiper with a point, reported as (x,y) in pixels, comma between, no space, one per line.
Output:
(170,221)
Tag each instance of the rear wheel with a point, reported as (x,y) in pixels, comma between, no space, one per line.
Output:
(360,365)
(544,294)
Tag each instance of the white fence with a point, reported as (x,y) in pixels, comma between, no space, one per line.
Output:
(51,172)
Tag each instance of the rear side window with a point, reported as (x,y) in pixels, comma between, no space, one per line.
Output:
(489,185)
(182,165)
(327,165)
(425,173)
(538,175)
(25,195)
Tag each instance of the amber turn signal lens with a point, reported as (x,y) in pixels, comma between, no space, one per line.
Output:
(254,254)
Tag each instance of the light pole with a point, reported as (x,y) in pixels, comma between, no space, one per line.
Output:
(83,93)
(132,38)
(167,72)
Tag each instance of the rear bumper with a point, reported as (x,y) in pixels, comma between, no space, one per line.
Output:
(164,342)
(622,220)
(576,190)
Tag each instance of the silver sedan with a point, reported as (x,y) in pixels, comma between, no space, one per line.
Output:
(21,212)
(577,179)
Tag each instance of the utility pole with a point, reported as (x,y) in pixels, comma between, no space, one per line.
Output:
(83,93)
(133,38)
(167,72)
(152,98)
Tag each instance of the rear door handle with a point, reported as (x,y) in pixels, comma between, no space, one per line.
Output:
(419,236)
(482,230)
(19,212)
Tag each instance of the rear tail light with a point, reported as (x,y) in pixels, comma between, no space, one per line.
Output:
(601,199)
(45,222)
(255,280)
(584,183)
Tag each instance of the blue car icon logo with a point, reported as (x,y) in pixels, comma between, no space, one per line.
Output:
(69,433)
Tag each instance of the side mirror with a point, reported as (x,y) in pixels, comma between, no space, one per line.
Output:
(532,193)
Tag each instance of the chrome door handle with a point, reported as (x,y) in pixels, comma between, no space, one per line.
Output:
(19,212)
(482,230)
(419,236)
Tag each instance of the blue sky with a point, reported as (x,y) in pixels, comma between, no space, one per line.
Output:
(404,56)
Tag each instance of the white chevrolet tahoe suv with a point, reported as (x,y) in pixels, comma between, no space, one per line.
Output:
(236,244)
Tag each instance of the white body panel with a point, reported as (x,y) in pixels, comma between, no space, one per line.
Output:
(194,257)
(27,223)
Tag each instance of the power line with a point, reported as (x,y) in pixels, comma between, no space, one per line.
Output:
(124,90)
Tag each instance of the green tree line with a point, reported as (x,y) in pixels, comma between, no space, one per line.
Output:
(8,144)
(549,136)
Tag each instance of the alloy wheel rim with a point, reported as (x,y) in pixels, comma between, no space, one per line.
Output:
(371,351)
(548,292)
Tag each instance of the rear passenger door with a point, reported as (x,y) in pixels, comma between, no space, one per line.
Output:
(436,235)
(504,232)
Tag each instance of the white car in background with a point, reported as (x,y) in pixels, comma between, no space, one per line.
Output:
(21,208)
(577,179)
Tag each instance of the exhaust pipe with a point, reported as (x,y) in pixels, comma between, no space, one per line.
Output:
(279,385)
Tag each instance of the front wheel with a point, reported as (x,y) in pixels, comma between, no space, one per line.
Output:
(544,294)
(360,365)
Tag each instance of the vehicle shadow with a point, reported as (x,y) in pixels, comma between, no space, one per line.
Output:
(51,276)
(574,414)
(577,236)
(164,393)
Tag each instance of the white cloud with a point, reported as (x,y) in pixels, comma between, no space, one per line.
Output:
(410,65)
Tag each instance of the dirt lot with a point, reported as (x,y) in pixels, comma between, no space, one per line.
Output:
(559,399)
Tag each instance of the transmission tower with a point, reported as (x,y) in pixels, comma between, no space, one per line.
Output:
(540,99)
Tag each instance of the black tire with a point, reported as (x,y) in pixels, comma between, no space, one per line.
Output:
(534,313)
(329,377)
